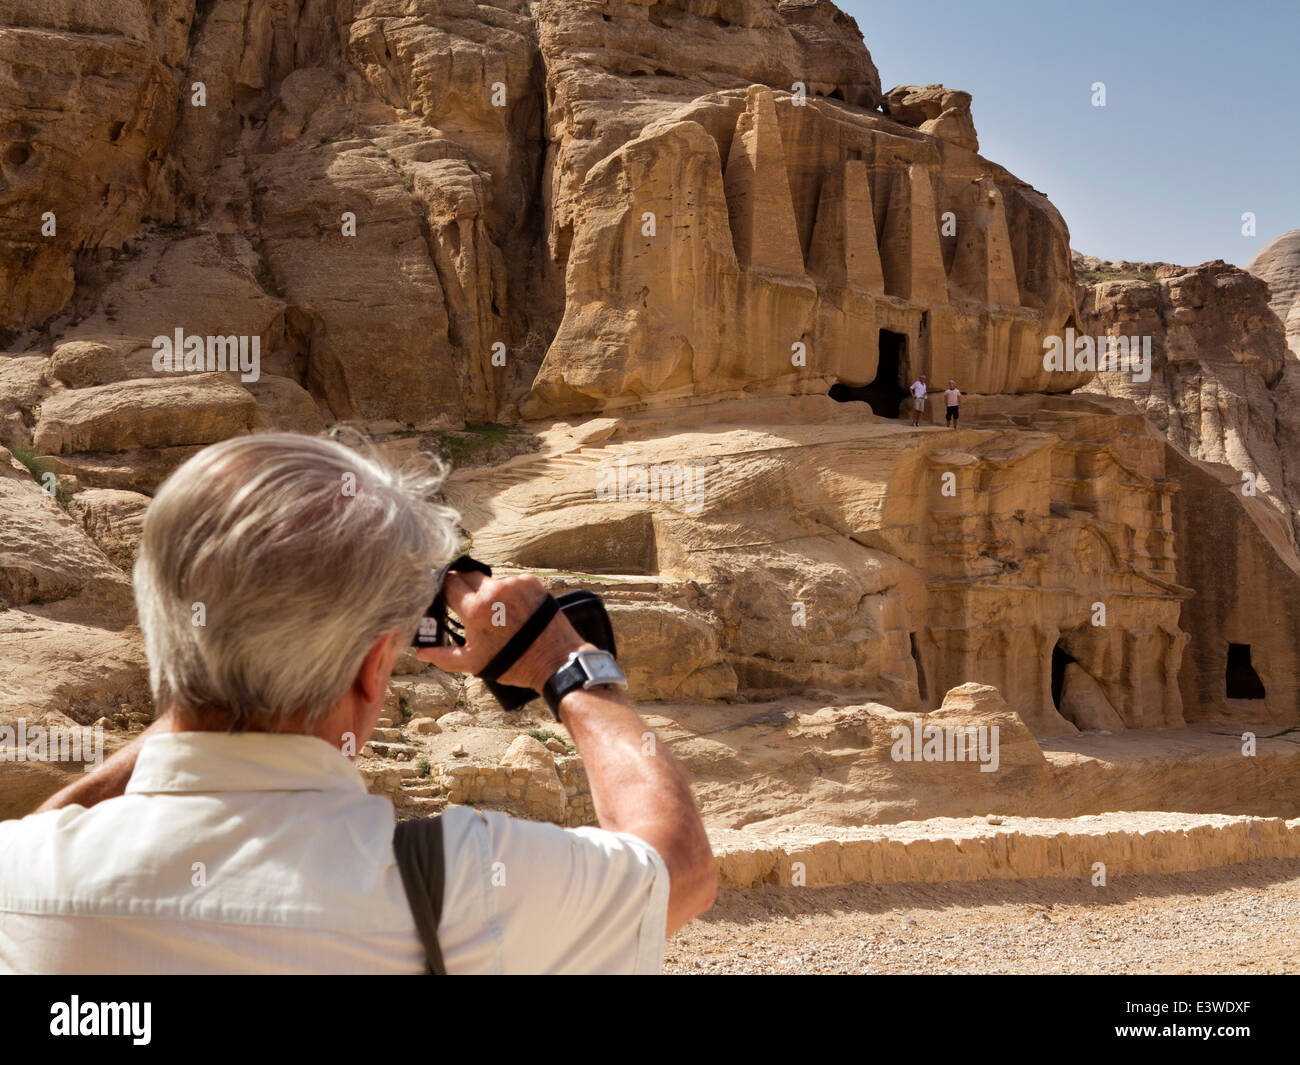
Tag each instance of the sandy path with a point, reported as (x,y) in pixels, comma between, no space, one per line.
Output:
(1234,919)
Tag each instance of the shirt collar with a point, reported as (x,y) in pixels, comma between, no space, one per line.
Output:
(241,761)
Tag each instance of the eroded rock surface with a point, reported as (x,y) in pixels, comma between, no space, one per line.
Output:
(652,238)
(1223,386)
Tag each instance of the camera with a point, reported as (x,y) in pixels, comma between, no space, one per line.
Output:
(585,611)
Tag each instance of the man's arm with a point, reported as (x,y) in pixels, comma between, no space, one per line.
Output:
(636,784)
(638,787)
(109,780)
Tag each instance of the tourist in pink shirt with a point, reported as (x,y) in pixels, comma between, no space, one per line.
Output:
(952,397)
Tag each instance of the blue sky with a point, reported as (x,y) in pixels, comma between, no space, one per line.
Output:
(1201,123)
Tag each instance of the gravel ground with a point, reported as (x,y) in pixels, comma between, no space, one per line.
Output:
(1234,919)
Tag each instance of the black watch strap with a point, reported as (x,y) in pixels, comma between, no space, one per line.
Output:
(562,681)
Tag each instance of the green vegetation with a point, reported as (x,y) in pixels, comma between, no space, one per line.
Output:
(543,734)
(422,764)
(38,466)
(462,445)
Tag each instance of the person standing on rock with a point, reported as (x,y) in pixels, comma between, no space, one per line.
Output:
(919,391)
(236,834)
(952,399)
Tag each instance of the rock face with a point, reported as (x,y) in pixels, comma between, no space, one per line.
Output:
(1278,265)
(357,190)
(1240,665)
(88,95)
(870,560)
(1223,386)
(70,650)
(759,240)
(661,240)
(943,113)
(1223,389)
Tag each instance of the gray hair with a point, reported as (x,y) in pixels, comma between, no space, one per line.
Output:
(269,566)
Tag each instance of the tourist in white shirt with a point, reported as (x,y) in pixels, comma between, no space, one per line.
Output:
(952,399)
(237,836)
(918,389)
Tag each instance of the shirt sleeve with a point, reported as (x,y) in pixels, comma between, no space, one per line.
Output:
(531,897)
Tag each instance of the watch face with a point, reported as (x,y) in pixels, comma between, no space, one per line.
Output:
(601,668)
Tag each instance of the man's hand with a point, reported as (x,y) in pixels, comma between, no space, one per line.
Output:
(636,784)
(492,610)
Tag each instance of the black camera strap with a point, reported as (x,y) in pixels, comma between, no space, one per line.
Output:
(417,846)
(521,640)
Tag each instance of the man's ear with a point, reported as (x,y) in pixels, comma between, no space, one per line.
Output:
(372,678)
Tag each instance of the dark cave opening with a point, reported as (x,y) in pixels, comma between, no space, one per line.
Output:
(1060,659)
(1242,680)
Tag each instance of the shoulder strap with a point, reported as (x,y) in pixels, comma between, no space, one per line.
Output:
(418,846)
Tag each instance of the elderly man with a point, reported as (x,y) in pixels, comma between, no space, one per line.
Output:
(919,390)
(279,577)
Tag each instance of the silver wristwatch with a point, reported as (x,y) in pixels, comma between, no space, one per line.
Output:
(582,669)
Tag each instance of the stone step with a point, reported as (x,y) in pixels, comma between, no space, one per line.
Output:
(424,804)
(420,786)
(387,734)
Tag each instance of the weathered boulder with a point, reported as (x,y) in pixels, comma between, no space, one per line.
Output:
(71,654)
(83,364)
(148,412)
(114,519)
(1084,703)
(543,795)
(284,405)
(44,554)
(1278,265)
(943,113)
(669,653)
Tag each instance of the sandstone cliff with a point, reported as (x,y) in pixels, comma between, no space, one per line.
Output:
(658,240)
(1223,386)
(1278,265)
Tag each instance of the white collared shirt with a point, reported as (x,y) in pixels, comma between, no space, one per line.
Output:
(264,853)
